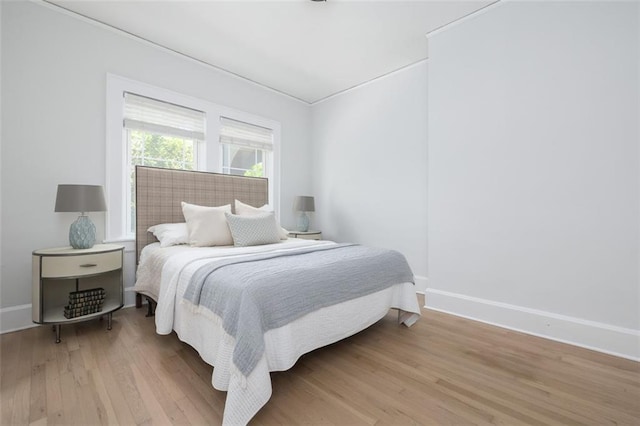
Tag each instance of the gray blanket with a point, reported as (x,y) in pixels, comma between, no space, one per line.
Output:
(257,293)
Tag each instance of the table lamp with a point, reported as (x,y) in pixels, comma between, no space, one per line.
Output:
(81,198)
(304,204)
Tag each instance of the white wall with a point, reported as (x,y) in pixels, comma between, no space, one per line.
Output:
(534,204)
(1,263)
(54,68)
(369,165)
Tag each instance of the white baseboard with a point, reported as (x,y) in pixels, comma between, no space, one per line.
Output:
(129,297)
(15,318)
(613,340)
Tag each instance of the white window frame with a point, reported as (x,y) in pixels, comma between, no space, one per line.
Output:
(209,152)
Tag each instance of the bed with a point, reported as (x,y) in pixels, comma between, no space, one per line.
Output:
(293,295)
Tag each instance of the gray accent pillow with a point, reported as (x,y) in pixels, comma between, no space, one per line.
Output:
(253,230)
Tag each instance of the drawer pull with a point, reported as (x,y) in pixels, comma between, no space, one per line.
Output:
(88,265)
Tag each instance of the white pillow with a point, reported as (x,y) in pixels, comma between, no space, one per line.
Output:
(170,234)
(243,209)
(207,225)
(253,230)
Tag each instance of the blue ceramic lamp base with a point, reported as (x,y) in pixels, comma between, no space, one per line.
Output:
(82,233)
(303,222)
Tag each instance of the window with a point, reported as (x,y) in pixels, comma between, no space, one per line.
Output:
(152,126)
(158,134)
(245,148)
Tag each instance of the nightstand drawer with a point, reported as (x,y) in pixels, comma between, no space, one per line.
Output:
(316,236)
(306,235)
(74,266)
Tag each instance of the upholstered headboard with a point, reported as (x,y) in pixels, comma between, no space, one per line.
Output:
(160,192)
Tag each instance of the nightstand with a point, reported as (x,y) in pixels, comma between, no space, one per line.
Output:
(306,235)
(68,283)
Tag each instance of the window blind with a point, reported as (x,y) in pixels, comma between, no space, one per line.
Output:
(154,116)
(239,133)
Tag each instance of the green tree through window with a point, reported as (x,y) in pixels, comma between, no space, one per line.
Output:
(257,170)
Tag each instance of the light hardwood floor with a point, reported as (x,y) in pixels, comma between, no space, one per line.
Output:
(443,370)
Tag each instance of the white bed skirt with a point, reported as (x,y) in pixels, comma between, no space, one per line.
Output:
(203,331)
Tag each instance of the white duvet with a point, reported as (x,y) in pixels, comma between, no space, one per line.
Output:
(164,275)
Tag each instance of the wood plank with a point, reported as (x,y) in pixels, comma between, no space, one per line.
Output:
(22,388)
(208,401)
(102,348)
(444,370)
(55,409)
(9,358)
(123,375)
(456,379)
(190,412)
(70,402)
(38,396)
(148,381)
(154,406)
(105,410)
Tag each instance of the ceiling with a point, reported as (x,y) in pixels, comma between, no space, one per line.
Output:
(307,50)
